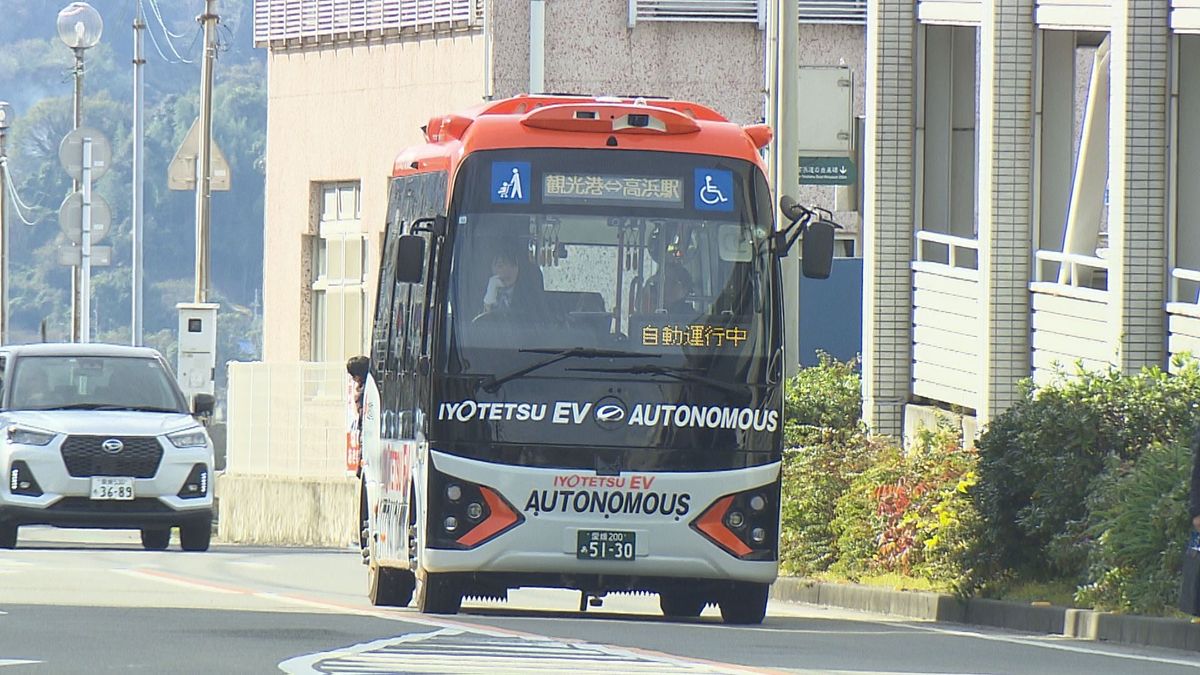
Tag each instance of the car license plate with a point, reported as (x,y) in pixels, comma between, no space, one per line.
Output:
(111,487)
(605,545)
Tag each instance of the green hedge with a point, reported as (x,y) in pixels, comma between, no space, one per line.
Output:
(1083,480)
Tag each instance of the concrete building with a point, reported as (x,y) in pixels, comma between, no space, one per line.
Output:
(1031,196)
(350,83)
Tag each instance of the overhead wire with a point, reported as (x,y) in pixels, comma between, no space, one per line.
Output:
(158,15)
(17,201)
(179,58)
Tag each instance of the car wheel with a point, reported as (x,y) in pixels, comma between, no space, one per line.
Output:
(156,540)
(681,604)
(8,535)
(195,536)
(745,603)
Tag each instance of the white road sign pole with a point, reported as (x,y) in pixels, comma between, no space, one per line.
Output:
(85,240)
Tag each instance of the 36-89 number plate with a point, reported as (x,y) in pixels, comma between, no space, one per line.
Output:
(605,545)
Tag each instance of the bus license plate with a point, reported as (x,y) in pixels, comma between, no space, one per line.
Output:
(109,487)
(605,545)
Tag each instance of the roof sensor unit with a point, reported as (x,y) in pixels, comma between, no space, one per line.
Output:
(639,121)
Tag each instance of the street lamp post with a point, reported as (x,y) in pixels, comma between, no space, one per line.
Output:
(79,27)
(5,123)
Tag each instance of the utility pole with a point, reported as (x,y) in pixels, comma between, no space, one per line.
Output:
(784,26)
(77,107)
(209,20)
(139,91)
(5,122)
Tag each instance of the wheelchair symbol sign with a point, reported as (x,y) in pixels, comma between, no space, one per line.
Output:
(713,190)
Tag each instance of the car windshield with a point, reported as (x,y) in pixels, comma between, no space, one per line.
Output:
(646,271)
(92,382)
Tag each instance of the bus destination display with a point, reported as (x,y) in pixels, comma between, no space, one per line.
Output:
(562,188)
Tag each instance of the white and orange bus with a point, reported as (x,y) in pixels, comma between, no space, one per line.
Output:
(577,359)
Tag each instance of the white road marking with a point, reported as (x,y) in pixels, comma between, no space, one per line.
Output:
(1054,642)
(453,650)
(17,662)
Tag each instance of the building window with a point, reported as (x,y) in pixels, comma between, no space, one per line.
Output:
(948,110)
(1072,153)
(339,288)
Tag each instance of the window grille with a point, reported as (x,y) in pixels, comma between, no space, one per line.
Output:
(731,11)
(851,12)
(291,19)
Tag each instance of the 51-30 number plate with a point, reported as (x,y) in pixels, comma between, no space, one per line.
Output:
(605,545)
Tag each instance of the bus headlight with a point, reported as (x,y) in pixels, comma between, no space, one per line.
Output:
(744,524)
(463,515)
(474,511)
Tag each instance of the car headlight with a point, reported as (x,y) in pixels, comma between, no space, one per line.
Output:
(189,438)
(27,436)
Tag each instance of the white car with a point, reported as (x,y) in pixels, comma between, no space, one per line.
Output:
(100,436)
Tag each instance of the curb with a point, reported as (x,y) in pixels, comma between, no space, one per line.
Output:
(1081,624)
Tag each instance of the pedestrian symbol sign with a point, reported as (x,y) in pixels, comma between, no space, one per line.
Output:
(510,182)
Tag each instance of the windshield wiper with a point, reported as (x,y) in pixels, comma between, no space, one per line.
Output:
(493,383)
(677,372)
(109,406)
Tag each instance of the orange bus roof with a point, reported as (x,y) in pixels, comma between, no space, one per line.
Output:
(559,121)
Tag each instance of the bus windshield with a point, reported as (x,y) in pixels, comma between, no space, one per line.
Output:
(635,262)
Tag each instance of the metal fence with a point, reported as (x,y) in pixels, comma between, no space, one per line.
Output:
(287,419)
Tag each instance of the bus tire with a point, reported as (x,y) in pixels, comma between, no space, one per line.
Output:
(745,603)
(681,604)
(387,587)
(438,594)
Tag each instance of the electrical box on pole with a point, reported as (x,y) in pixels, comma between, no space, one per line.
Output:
(826,148)
(197,348)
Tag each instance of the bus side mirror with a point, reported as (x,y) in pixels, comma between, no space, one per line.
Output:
(203,404)
(817,250)
(410,259)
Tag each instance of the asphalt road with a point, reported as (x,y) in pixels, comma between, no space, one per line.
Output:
(94,602)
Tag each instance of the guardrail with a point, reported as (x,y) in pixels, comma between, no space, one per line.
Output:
(1072,269)
(947,249)
(1179,278)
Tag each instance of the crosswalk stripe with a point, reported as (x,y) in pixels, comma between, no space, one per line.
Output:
(462,651)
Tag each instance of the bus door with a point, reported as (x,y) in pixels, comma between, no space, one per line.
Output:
(402,315)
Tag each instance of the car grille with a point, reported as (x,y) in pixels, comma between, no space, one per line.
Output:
(85,505)
(138,459)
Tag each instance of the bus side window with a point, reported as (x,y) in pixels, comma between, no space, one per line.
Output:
(381,333)
(399,327)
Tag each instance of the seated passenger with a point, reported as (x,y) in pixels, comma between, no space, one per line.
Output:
(671,298)
(515,286)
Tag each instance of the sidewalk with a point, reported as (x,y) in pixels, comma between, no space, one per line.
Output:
(1084,624)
